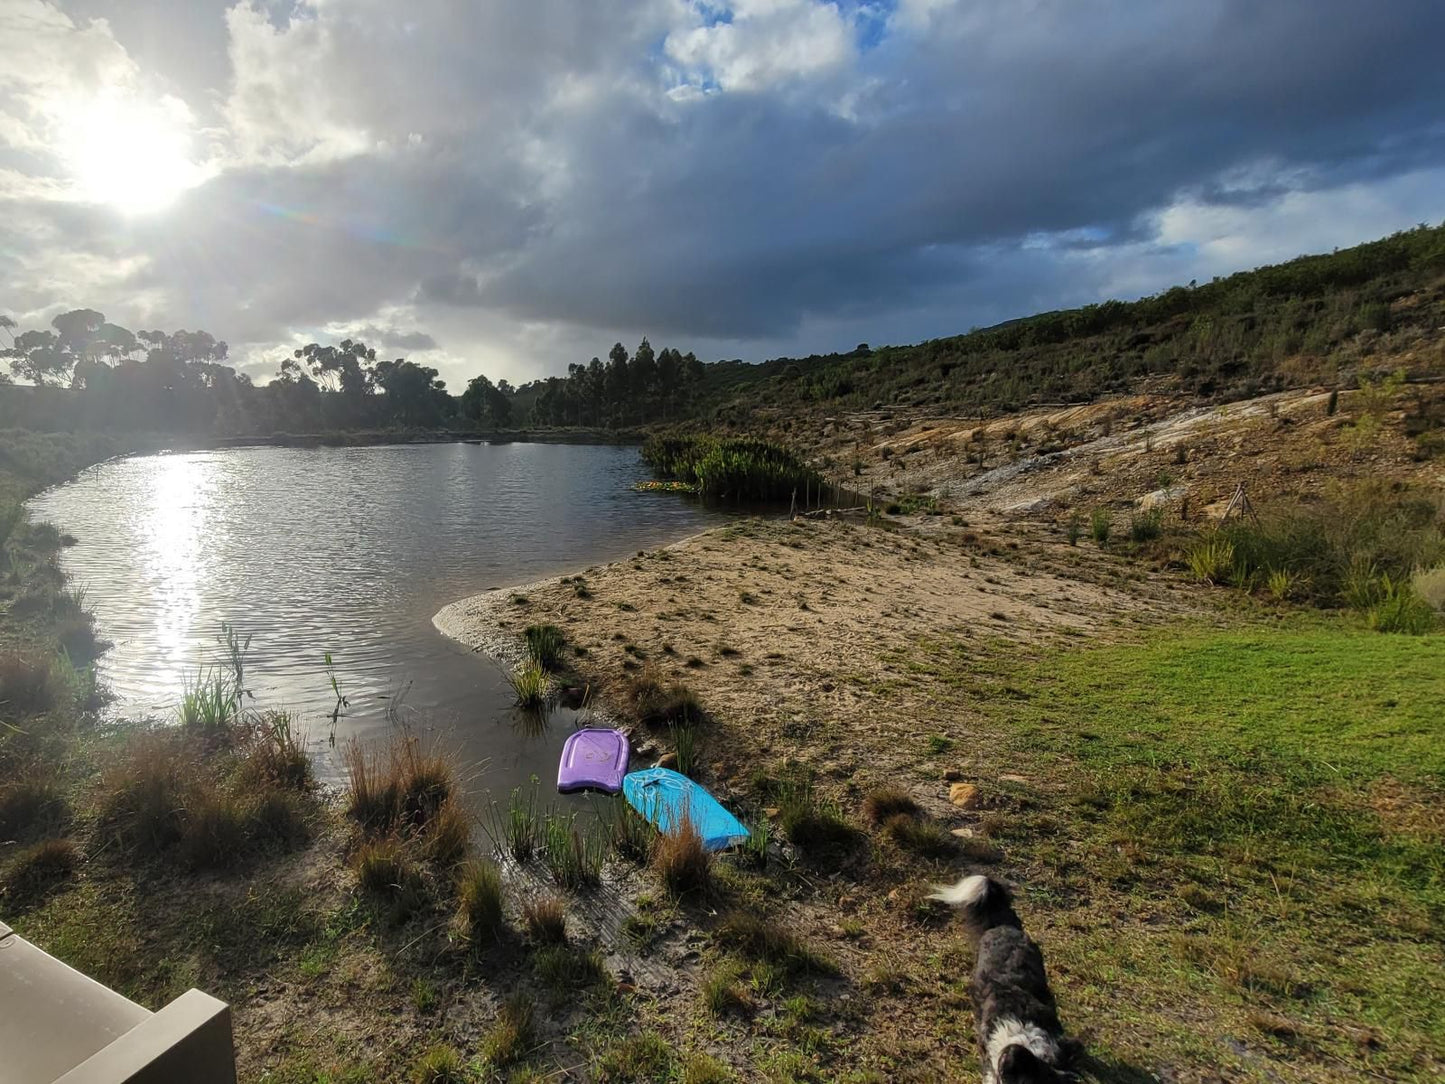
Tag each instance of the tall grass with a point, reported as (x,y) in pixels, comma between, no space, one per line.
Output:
(479,901)
(628,831)
(574,856)
(732,468)
(208,703)
(529,685)
(682,861)
(684,743)
(400,787)
(545,644)
(517,828)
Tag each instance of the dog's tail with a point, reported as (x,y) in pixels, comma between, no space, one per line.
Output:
(985,904)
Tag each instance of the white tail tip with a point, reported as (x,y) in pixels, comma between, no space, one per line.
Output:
(967,890)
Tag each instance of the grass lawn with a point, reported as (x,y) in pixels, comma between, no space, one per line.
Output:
(1233,841)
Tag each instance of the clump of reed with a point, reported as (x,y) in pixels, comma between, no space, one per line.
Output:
(387,872)
(517,827)
(529,685)
(400,787)
(733,468)
(273,754)
(545,644)
(209,704)
(573,855)
(628,831)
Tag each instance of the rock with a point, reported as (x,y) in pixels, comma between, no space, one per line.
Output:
(1161,497)
(771,811)
(626,988)
(1010,778)
(647,750)
(667,760)
(953,775)
(963,833)
(964,795)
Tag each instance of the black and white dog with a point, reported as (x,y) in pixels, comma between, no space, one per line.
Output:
(1018,1022)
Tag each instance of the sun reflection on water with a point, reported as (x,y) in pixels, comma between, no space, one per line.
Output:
(172,527)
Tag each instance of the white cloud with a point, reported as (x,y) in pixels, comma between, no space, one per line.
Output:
(763,43)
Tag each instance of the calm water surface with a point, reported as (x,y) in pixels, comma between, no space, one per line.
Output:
(348,551)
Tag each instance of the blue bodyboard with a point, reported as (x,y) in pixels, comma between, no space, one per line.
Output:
(666,798)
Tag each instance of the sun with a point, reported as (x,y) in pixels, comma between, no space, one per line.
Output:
(128,154)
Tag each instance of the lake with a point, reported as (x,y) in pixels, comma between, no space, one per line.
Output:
(348,551)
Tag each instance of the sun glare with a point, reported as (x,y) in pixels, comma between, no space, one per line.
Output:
(131,156)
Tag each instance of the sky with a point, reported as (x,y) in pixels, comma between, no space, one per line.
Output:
(509,187)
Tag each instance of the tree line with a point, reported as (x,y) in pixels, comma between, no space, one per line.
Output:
(1301,322)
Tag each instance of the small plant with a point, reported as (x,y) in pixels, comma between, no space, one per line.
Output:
(276,817)
(568,969)
(1281,584)
(388,874)
(441,1064)
(448,834)
(1211,560)
(1146,527)
(546,921)
(1075,528)
(513,1034)
(640,1059)
(657,705)
(755,847)
(1400,609)
(529,685)
(29,684)
(479,901)
(1429,584)
(1100,523)
(423,996)
(723,990)
(881,803)
(273,754)
(923,837)
(811,823)
(1362,587)
(518,828)
(372,793)
(629,832)
(682,861)
(574,856)
(28,805)
(684,744)
(213,833)
(545,644)
(208,704)
(937,744)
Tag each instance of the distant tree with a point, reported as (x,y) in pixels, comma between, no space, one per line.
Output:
(486,403)
(414,395)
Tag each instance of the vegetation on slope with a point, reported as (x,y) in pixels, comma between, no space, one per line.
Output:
(737,468)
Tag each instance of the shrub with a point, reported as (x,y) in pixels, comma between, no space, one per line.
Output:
(545,644)
(29,804)
(884,802)
(441,1064)
(479,901)
(277,817)
(529,685)
(546,921)
(1211,560)
(681,860)
(1100,524)
(448,835)
(1400,609)
(39,868)
(213,831)
(513,1034)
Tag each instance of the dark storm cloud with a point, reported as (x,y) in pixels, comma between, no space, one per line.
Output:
(584,171)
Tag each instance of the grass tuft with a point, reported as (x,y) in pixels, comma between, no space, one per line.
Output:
(882,803)
(479,901)
(214,831)
(30,684)
(29,805)
(441,1064)
(546,921)
(573,855)
(513,1034)
(529,685)
(925,838)
(757,939)
(448,835)
(545,645)
(39,868)
(639,1059)
(386,872)
(683,863)
(565,969)
(659,705)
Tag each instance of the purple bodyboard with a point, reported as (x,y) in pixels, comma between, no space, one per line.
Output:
(593,760)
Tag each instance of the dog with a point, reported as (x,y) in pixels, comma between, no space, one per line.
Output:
(1018,1022)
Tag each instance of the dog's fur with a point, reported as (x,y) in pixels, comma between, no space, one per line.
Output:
(1018,1023)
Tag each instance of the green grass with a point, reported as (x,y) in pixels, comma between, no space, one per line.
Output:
(1241,836)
